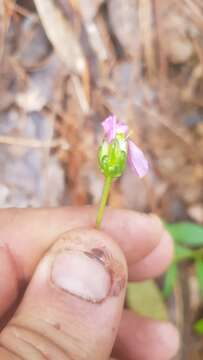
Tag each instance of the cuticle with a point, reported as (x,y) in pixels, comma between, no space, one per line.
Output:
(112,266)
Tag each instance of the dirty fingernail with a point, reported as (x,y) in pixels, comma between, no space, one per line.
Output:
(81,275)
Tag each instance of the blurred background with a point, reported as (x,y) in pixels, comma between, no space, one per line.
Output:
(65,65)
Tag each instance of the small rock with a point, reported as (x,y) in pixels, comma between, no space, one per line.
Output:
(40,87)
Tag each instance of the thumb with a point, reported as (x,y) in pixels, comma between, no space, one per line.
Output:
(73,305)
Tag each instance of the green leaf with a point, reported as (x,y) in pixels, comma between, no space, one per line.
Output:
(186,233)
(182,253)
(198,327)
(199,274)
(170,280)
(146,299)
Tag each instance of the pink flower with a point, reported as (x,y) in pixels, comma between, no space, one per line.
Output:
(136,158)
(112,127)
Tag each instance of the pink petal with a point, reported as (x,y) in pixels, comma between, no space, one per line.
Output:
(137,160)
(109,126)
(121,128)
(112,127)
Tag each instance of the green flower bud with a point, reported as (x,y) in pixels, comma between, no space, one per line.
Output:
(112,156)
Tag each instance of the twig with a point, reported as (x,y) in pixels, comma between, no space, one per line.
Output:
(193,11)
(22,11)
(33,143)
(145,19)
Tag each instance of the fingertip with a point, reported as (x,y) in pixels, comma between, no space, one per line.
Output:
(155,263)
(137,234)
(143,338)
(170,339)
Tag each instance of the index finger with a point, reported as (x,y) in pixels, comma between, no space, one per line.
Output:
(26,234)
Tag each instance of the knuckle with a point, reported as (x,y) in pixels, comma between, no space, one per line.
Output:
(27,343)
(21,343)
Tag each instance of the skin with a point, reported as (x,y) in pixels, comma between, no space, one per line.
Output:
(29,239)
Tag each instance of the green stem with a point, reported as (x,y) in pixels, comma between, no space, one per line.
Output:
(104,197)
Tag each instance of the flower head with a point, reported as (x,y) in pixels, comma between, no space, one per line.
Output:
(112,127)
(117,148)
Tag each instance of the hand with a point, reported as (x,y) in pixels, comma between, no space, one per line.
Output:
(61,296)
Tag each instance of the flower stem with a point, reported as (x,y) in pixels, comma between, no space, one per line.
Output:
(103,201)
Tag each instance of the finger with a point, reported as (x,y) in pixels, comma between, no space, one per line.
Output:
(145,339)
(27,234)
(72,307)
(31,232)
(155,263)
(8,280)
